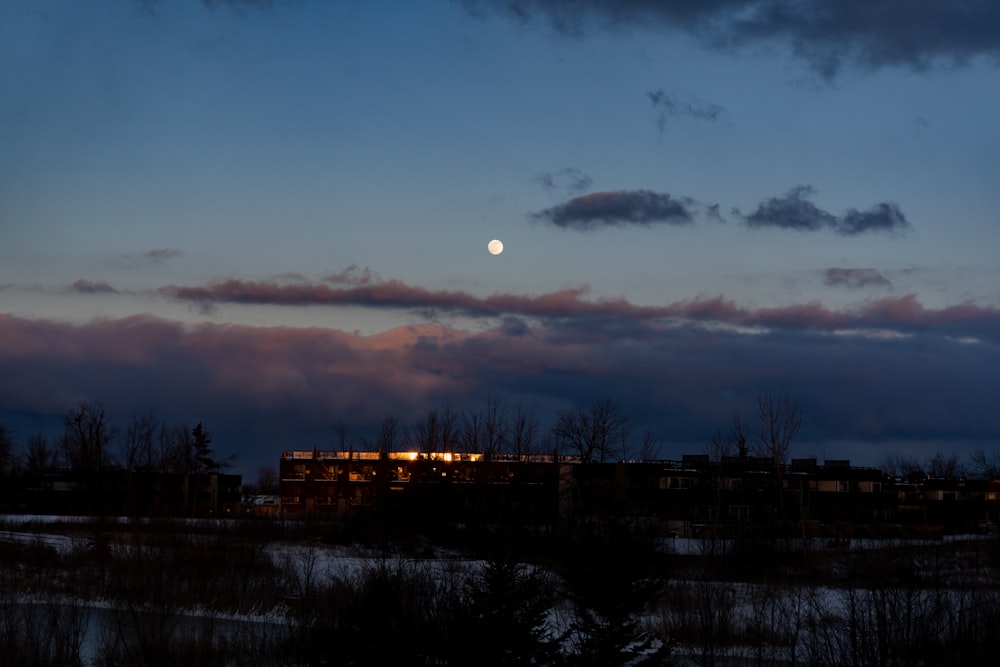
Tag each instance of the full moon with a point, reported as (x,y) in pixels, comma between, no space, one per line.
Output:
(495,247)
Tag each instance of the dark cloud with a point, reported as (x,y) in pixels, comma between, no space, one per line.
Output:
(795,211)
(917,34)
(855,278)
(880,218)
(671,104)
(618,209)
(90,287)
(261,389)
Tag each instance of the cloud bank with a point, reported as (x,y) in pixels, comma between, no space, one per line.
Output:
(570,309)
(263,389)
(872,34)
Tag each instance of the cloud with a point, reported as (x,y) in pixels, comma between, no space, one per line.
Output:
(572,314)
(795,211)
(881,217)
(855,278)
(261,389)
(827,35)
(162,254)
(618,209)
(90,287)
(570,179)
(670,104)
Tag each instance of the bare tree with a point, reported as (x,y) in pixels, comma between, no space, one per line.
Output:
(450,428)
(86,438)
(987,466)
(906,467)
(426,434)
(485,430)
(731,442)
(343,435)
(779,421)
(523,432)
(267,480)
(6,447)
(595,434)
(38,456)
(388,434)
(649,448)
(945,466)
(136,447)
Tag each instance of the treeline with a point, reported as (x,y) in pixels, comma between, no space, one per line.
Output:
(92,442)
(601,432)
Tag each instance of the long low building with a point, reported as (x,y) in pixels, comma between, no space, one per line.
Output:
(689,496)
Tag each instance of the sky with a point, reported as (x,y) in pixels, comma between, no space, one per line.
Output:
(271,216)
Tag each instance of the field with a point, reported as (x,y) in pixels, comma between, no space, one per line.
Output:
(267,592)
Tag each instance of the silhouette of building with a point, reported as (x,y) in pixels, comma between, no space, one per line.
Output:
(694,496)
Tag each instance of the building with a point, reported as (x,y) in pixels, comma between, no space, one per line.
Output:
(694,496)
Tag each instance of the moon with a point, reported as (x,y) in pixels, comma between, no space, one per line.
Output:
(495,247)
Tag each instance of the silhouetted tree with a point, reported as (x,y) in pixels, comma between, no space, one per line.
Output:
(501,617)
(267,480)
(649,448)
(136,447)
(611,581)
(86,438)
(204,455)
(523,432)
(388,434)
(598,434)
(38,456)
(485,430)
(426,434)
(946,466)
(779,421)
(986,466)
(6,448)
(906,467)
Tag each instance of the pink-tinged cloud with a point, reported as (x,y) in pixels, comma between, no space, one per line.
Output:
(572,307)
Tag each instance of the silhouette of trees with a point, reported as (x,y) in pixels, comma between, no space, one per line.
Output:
(987,466)
(523,432)
(485,430)
(598,434)
(38,456)
(86,438)
(779,421)
(6,449)
(501,616)
(137,443)
(388,434)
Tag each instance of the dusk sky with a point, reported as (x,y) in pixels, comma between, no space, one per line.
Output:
(268,216)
